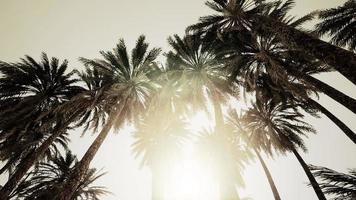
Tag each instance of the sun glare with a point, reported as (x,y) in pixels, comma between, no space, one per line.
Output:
(190,179)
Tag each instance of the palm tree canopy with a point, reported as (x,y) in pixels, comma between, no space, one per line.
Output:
(46,79)
(229,15)
(340,185)
(30,87)
(238,15)
(126,80)
(47,179)
(202,69)
(275,126)
(340,24)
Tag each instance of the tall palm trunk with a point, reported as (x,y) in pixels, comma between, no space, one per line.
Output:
(226,185)
(30,159)
(157,185)
(340,59)
(81,167)
(333,93)
(348,132)
(228,190)
(269,176)
(310,176)
(218,114)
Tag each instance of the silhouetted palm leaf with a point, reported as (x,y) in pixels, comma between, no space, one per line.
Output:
(340,185)
(340,24)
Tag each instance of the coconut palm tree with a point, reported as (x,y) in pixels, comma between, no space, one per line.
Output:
(279,127)
(203,76)
(128,93)
(46,180)
(259,49)
(29,91)
(227,154)
(247,15)
(158,142)
(340,185)
(263,62)
(234,119)
(339,23)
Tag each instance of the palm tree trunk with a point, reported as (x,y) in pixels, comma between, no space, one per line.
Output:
(156,185)
(219,117)
(5,167)
(348,132)
(269,176)
(81,167)
(228,190)
(310,176)
(29,160)
(338,96)
(340,59)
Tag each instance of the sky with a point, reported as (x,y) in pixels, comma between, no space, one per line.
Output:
(70,29)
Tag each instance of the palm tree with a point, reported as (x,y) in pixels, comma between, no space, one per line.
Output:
(46,180)
(158,141)
(261,61)
(128,93)
(339,23)
(279,127)
(203,79)
(203,76)
(227,154)
(261,49)
(340,185)
(29,91)
(247,15)
(234,119)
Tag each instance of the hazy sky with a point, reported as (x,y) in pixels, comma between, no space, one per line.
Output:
(73,28)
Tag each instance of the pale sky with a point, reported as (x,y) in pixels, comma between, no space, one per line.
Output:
(73,28)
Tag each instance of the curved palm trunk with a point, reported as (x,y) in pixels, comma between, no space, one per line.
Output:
(348,132)
(310,176)
(29,161)
(333,93)
(269,176)
(81,167)
(340,59)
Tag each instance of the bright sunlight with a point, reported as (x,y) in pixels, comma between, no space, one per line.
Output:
(192,176)
(191,179)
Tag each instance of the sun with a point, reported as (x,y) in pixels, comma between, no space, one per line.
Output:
(190,179)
